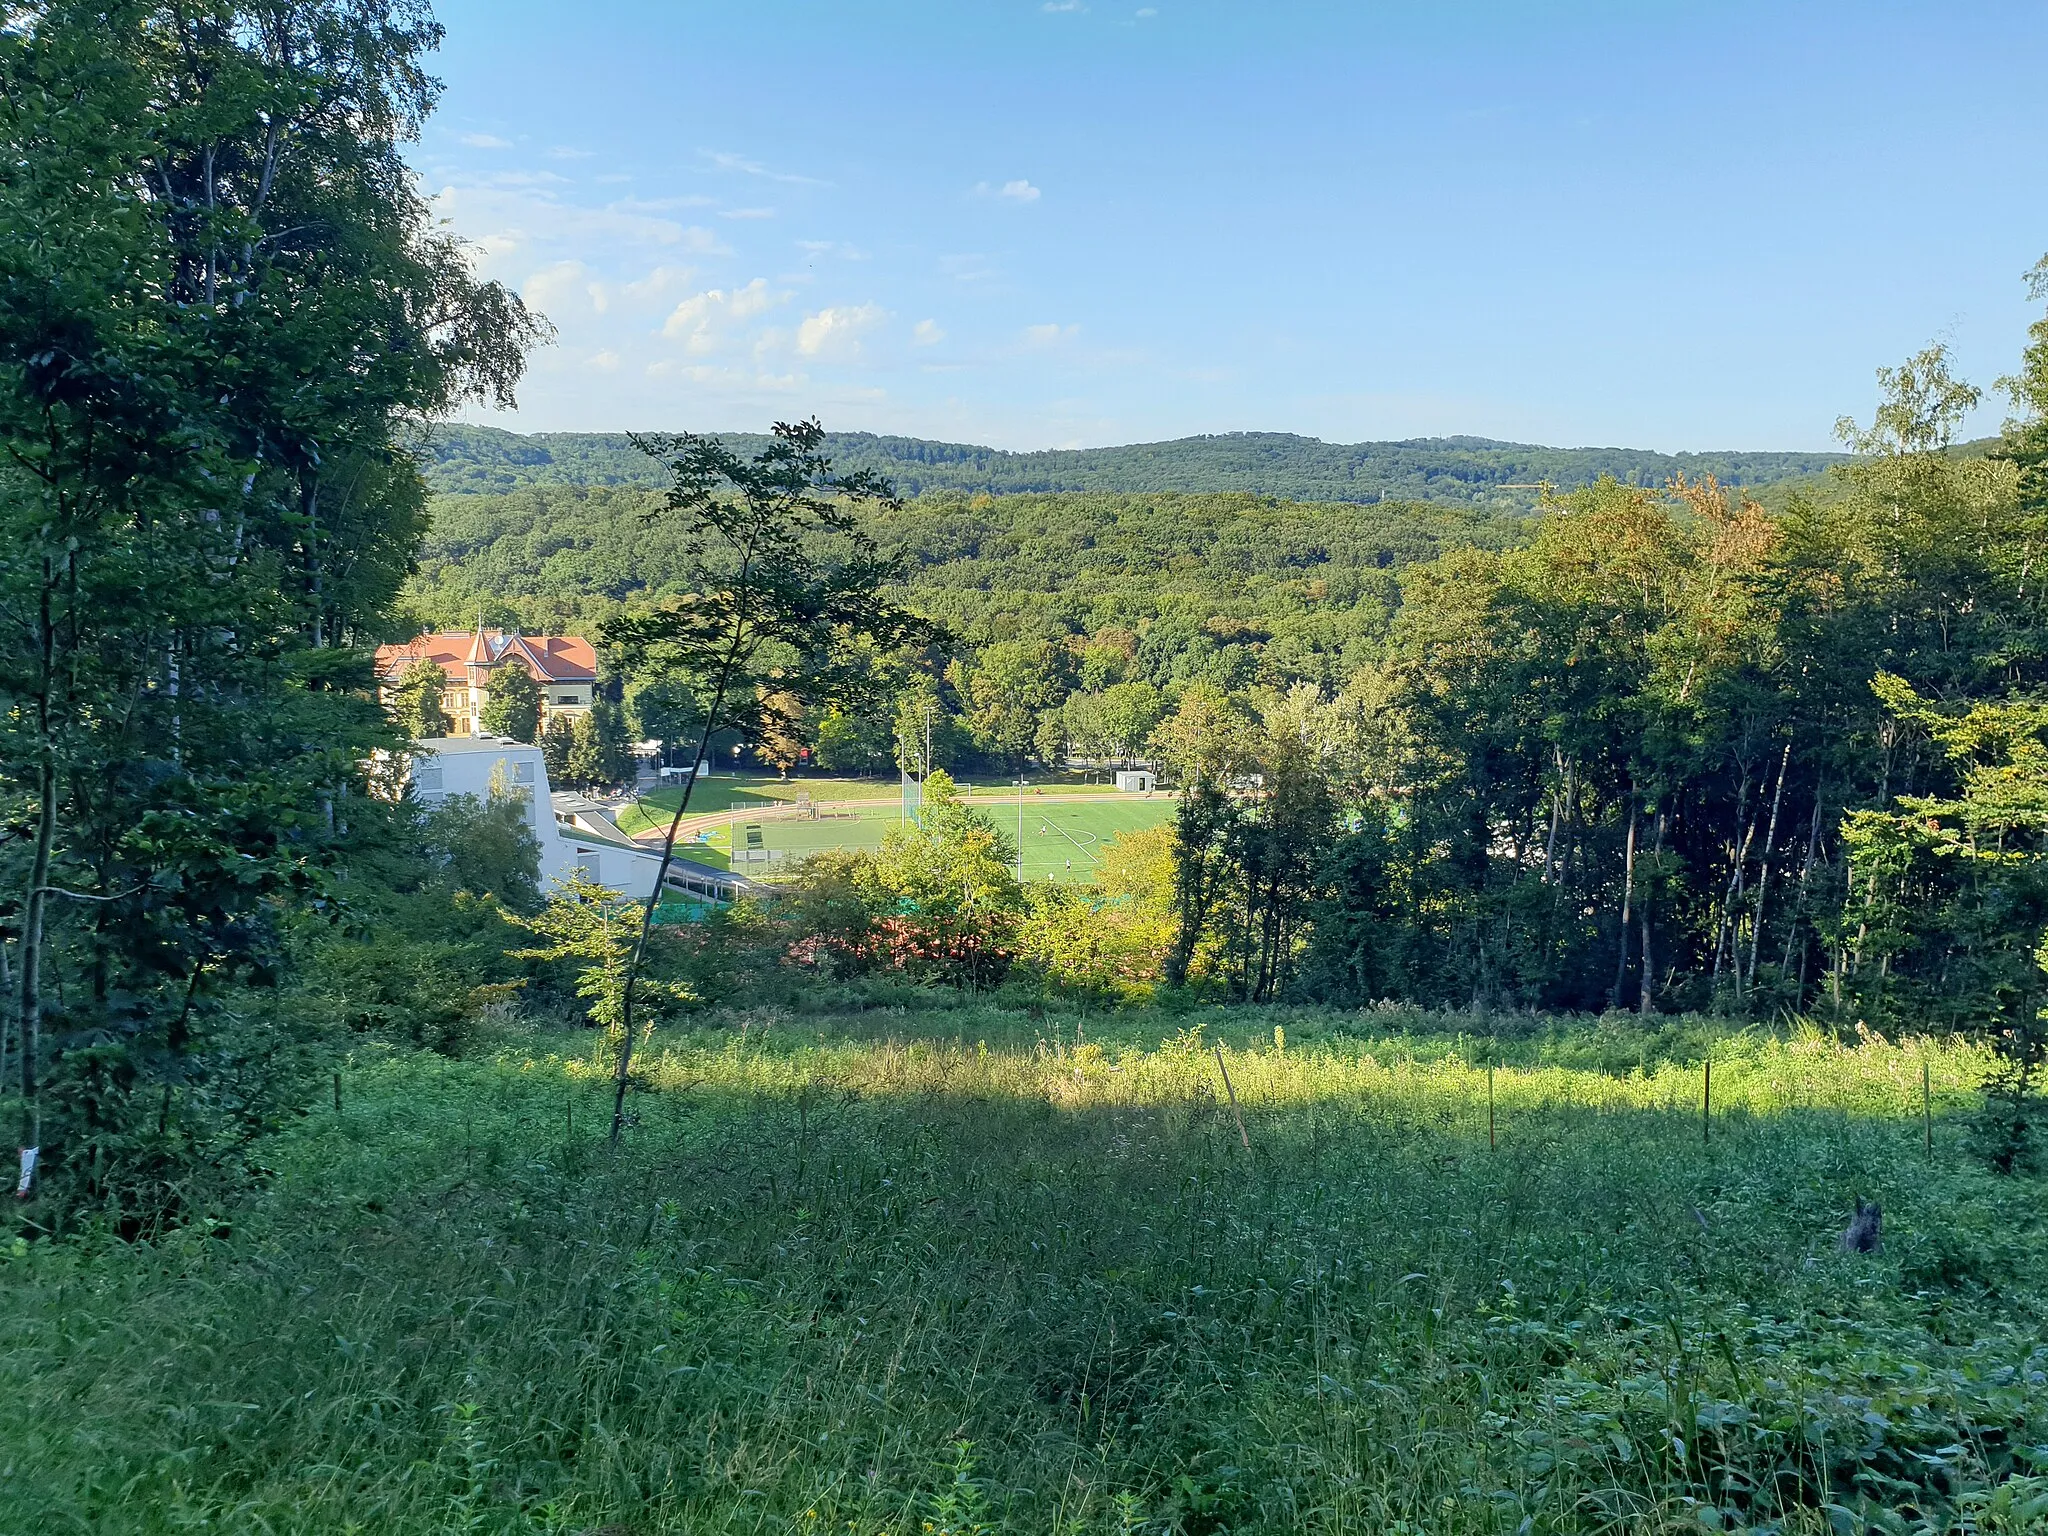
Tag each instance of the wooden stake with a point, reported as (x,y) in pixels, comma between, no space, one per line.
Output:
(1490,1142)
(1707,1104)
(1927,1109)
(1217,1046)
(337,1093)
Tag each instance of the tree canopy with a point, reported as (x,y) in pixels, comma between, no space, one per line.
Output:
(225,312)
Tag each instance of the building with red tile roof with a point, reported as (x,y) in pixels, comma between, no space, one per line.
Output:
(565,667)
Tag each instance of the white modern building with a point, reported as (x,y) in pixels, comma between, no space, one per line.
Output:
(576,835)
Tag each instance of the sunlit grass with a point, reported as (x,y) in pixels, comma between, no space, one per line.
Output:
(1062,840)
(1751,1074)
(719,794)
(961,1267)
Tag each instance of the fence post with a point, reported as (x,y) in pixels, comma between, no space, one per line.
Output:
(1927,1108)
(1236,1113)
(1707,1103)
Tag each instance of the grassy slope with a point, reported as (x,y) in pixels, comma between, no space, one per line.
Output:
(946,1271)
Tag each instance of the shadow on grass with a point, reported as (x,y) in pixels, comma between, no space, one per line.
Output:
(906,1287)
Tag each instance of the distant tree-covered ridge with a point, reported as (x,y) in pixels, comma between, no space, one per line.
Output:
(1465,470)
(1244,566)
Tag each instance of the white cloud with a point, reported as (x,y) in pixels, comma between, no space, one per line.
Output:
(704,321)
(503,221)
(656,285)
(926,333)
(839,248)
(748,213)
(728,379)
(968,267)
(836,333)
(754,298)
(488,251)
(1146,13)
(1018,191)
(525,179)
(554,290)
(564,152)
(1054,7)
(485,141)
(606,361)
(662,204)
(1042,336)
(731,162)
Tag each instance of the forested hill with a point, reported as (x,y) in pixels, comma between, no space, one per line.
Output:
(561,557)
(1459,470)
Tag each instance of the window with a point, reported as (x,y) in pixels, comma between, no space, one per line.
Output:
(426,776)
(522,773)
(567,698)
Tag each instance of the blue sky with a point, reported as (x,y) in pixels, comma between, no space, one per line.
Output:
(1033,224)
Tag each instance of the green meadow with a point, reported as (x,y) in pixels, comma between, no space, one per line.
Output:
(944,1267)
(1062,839)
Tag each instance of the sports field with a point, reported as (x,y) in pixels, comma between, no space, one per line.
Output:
(721,792)
(1062,840)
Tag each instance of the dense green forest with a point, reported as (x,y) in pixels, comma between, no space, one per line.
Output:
(1627,749)
(1235,575)
(1460,471)
(1572,1062)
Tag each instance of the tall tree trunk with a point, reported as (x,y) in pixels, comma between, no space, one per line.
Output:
(7,1001)
(316,589)
(1628,891)
(36,901)
(1276,922)
(1763,878)
(1244,935)
(1738,855)
(1805,876)
(668,853)
(1649,952)
(1558,792)
(1194,884)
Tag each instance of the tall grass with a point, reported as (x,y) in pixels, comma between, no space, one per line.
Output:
(970,1269)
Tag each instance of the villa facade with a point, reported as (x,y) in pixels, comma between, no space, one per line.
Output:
(565,667)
